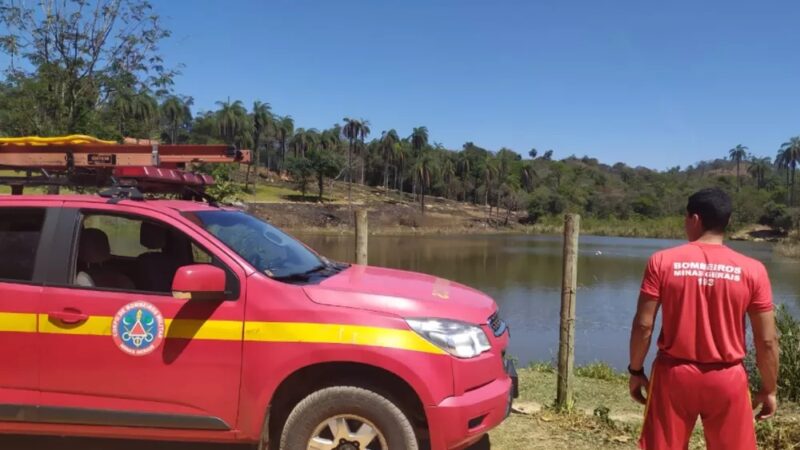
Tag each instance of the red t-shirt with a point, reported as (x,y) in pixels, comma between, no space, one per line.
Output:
(705,290)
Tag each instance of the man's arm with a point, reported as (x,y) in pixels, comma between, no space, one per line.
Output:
(765,338)
(641,335)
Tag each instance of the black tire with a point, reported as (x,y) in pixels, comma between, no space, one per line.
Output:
(333,401)
(483,444)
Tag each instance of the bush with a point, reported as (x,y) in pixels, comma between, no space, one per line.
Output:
(301,171)
(225,188)
(599,371)
(789,374)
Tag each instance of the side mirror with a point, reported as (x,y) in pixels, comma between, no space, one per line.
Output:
(199,282)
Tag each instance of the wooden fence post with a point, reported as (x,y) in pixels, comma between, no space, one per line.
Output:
(361,236)
(566,342)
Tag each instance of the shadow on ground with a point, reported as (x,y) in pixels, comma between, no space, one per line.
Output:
(13,442)
(48,443)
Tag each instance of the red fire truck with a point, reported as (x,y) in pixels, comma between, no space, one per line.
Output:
(150,311)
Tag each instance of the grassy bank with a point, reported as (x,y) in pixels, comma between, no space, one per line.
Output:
(665,227)
(789,248)
(605,417)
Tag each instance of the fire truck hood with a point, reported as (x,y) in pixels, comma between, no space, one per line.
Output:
(405,294)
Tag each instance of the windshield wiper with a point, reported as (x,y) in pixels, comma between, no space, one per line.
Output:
(303,276)
(293,277)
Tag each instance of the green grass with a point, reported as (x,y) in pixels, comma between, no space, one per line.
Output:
(600,371)
(604,417)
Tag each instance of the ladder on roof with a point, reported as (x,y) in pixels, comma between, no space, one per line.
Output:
(62,154)
(79,160)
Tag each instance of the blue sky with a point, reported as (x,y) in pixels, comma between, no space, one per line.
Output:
(648,83)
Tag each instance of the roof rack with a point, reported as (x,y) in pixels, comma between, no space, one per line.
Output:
(84,161)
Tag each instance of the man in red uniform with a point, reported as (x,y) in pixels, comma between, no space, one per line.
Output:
(704,289)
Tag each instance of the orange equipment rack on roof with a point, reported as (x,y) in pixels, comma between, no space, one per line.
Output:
(79,160)
(62,153)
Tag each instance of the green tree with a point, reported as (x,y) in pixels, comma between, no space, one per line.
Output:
(389,143)
(304,140)
(284,130)
(353,130)
(424,170)
(489,173)
(789,157)
(176,115)
(262,124)
(447,169)
(738,154)
(758,169)
(232,122)
(79,55)
(301,171)
(323,164)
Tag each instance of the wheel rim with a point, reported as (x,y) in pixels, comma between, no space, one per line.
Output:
(347,432)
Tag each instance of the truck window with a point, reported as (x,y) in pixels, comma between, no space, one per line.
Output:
(20,231)
(132,253)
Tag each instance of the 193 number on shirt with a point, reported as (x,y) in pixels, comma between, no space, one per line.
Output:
(705,281)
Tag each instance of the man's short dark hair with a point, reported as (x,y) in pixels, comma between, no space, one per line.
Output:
(713,206)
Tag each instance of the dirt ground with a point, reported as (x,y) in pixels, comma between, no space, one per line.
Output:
(605,418)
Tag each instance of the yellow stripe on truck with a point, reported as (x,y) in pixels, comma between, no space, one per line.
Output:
(217,330)
(93,326)
(325,333)
(231,330)
(18,322)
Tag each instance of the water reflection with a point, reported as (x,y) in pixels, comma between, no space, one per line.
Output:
(523,274)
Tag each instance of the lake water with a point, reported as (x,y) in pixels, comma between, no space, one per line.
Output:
(523,274)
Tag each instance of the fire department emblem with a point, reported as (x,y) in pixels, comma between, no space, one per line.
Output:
(138,328)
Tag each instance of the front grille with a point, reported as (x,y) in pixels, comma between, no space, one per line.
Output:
(497,325)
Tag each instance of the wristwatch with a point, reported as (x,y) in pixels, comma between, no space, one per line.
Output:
(636,373)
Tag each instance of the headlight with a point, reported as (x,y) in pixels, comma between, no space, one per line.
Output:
(460,339)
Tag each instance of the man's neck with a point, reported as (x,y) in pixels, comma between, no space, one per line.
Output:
(711,238)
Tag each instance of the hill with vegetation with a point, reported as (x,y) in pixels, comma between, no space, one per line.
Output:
(114,83)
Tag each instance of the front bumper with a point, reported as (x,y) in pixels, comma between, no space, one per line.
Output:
(458,422)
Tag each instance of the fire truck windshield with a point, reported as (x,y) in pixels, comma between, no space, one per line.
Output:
(265,247)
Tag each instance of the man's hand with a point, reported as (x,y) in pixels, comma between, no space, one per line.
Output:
(638,385)
(768,402)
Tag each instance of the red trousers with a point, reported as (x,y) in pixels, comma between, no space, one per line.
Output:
(681,391)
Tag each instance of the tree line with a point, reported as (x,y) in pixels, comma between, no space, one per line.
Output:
(95,68)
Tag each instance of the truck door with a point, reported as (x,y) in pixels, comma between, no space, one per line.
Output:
(21,230)
(117,348)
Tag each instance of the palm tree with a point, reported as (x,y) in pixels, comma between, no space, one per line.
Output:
(489,173)
(419,139)
(790,156)
(389,141)
(401,154)
(231,121)
(304,140)
(262,122)
(758,169)
(329,139)
(284,130)
(365,130)
(528,175)
(463,163)
(423,170)
(354,129)
(782,162)
(738,154)
(448,172)
(176,114)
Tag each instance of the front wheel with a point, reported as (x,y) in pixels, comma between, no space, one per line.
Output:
(347,418)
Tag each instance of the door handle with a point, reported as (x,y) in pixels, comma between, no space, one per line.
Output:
(68,316)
